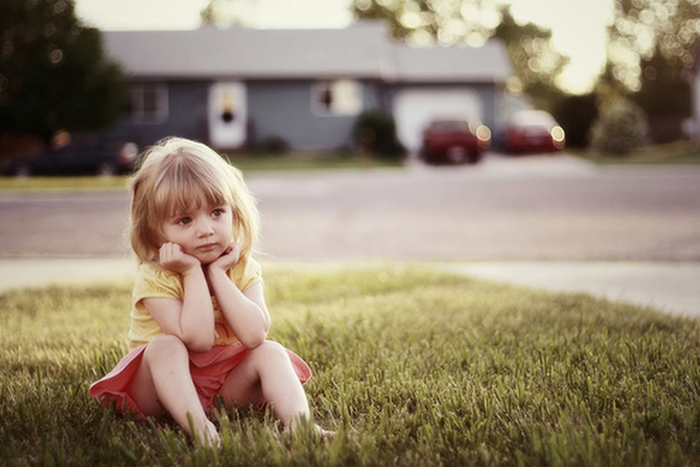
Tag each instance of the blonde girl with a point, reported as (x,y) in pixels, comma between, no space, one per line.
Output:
(199,322)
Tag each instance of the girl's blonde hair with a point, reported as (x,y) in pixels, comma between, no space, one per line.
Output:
(175,174)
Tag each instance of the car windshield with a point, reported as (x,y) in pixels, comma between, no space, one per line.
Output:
(450,125)
(533,119)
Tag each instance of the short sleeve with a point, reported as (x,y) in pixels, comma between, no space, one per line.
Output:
(153,282)
(246,273)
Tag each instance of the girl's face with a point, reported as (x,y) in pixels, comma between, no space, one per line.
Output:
(204,231)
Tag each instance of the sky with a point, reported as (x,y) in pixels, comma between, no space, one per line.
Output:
(579,27)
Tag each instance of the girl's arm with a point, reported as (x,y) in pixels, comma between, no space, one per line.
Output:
(245,312)
(191,319)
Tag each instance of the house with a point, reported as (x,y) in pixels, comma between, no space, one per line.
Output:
(241,87)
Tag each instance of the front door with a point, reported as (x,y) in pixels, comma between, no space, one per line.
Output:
(228,115)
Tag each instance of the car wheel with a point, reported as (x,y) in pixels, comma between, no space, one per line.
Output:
(456,154)
(106,169)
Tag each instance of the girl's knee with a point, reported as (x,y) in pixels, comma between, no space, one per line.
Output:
(270,350)
(167,346)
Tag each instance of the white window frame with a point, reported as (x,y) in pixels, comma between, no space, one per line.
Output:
(346,97)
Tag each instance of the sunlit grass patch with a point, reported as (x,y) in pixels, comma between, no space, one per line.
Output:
(411,367)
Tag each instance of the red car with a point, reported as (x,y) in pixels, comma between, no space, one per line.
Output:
(455,141)
(533,131)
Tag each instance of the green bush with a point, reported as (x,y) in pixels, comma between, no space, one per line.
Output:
(275,145)
(621,127)
(375,133)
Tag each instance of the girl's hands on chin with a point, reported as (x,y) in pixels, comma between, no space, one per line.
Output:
(228,258)
(174,259)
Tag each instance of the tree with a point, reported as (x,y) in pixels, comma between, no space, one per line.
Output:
(576,114)
(224,13)
(645,28)
(53,72)
(536,63)
(652,51)
(422,22)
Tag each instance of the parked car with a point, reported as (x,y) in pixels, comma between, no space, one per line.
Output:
(77,157)
(455,141)
(533,131)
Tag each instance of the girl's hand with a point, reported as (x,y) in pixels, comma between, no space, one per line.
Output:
(174,259)
(228,259)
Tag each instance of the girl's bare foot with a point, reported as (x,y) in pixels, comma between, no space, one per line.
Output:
(294,426)
(326,434)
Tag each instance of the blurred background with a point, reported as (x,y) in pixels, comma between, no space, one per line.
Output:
(359,78)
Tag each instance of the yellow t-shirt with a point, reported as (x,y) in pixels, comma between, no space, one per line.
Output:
(154,282)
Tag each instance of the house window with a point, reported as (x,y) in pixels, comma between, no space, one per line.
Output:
(148,103)
(341,97)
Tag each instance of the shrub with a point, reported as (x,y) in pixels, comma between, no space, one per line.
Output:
(275,145)
(621,127)
(375,132)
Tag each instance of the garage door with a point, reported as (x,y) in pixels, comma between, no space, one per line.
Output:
(414,108)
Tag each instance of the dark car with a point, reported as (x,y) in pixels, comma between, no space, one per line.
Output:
(533,131)
(455,141)
(77,157)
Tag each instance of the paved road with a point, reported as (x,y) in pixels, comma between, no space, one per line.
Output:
(526,209)
(557,223)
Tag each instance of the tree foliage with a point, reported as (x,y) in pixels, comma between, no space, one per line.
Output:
(652,30)
(423,22)
(664,88)
(53,72)
(576,114)
(225,13)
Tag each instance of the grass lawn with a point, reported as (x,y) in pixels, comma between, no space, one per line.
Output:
(249,163)
(677,153)
(412,368)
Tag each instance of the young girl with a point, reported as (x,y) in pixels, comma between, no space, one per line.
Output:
(199,320)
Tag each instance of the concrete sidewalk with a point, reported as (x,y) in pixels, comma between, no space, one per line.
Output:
(672,287)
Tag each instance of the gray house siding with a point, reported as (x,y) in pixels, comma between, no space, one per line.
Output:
(289,110)
(279,77)
(186,105)
(284,109)
(276,108)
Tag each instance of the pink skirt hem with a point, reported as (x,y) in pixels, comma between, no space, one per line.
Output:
(208,369)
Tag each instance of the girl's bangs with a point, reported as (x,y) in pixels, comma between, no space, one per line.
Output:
(186,190)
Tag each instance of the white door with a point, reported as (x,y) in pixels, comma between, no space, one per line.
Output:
(228,114)
(414,108)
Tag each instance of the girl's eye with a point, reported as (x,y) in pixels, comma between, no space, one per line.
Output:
(217,212)
(184,221)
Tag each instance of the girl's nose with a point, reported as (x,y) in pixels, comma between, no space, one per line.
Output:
(205,228)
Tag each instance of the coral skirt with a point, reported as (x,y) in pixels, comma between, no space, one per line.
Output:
(208,369)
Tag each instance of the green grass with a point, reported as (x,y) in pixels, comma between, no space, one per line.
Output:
(412,367)
(249,163)
(62,183)
(677,153)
